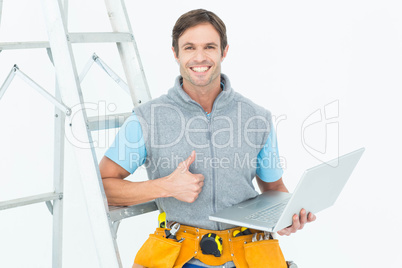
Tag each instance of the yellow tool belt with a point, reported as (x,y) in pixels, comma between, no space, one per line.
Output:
(161,252)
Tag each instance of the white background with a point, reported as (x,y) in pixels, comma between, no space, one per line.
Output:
(292,57)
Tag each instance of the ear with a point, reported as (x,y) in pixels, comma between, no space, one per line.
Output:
(225,52)
(174,54)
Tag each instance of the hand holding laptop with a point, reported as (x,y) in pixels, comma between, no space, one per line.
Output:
(298,222)
(276,211)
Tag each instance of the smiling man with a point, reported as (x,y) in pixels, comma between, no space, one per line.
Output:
(199,53)
(202,145)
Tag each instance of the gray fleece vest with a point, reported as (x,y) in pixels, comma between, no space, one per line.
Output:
(226,144)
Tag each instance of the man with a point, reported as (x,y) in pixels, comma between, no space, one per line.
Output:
(202,143)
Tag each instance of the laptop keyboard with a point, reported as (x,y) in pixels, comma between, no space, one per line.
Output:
(269,215)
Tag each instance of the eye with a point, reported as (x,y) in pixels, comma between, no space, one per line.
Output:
(188,48)
(210,47)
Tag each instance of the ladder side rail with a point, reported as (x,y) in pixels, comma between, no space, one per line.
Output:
(58,183)
(65,12)
(1,10)
(70,89)
(129,55)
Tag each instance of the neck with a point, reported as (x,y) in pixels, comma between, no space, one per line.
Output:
(204,95)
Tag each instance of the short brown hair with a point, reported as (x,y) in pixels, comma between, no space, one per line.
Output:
(194,18)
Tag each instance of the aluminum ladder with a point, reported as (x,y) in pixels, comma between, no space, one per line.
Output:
(68,100)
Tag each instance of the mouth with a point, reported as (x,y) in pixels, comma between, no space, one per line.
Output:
(200,69)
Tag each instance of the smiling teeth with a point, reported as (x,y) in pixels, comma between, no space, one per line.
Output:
(200,69)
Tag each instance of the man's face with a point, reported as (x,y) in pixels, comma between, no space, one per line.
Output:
(200,55)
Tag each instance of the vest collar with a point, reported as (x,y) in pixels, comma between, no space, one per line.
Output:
(222,101)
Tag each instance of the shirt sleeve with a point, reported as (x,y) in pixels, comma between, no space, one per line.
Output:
(128,149)
(268,163)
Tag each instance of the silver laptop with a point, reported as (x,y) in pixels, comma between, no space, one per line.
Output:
(272,211)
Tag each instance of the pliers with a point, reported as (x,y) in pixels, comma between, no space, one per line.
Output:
(265,236)
(172,233)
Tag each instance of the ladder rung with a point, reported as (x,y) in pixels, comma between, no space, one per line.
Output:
(107,122)
(119,213)
(73,38)
(30,200)
(100,37)
(24,45)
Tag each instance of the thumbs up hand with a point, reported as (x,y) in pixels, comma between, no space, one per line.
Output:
(182,184)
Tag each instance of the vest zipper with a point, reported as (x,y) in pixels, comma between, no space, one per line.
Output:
(214,179)
(211,147)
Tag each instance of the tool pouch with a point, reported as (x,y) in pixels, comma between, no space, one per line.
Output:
(265,253)
(161,252)
(237,249)
(158,252)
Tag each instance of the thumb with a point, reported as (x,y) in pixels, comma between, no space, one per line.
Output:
(186,163)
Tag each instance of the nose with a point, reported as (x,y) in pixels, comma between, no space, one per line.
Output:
(199,55)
